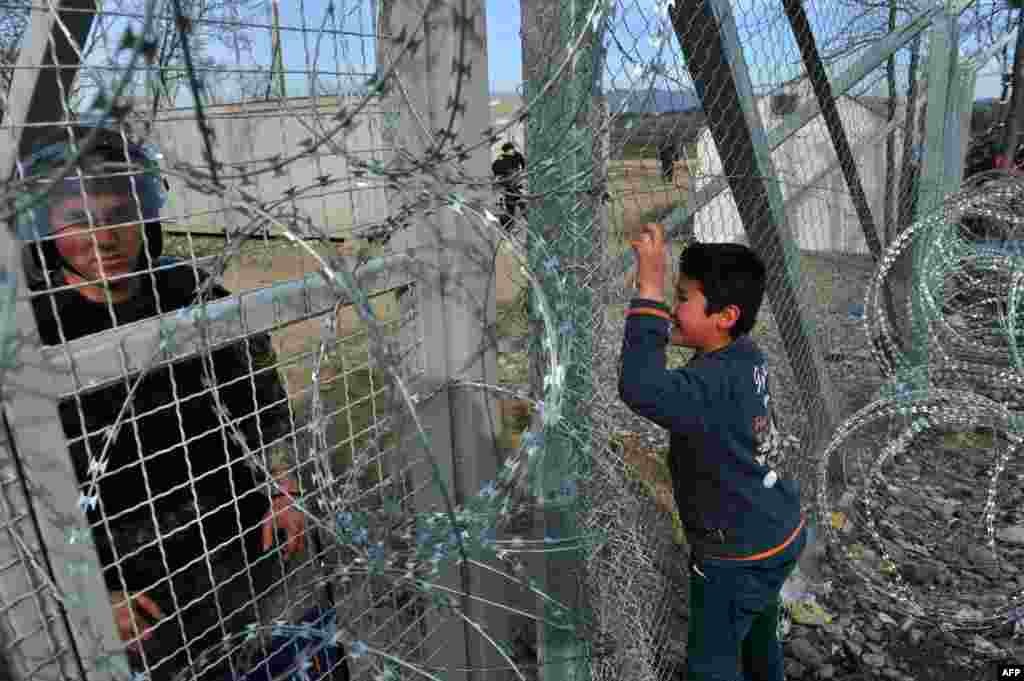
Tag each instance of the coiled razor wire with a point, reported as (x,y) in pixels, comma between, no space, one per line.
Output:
(955,266)
(859,465)
(632,568)
(965,395)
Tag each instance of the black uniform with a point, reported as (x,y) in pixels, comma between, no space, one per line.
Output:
(154,505)
(508,169)
(667,156)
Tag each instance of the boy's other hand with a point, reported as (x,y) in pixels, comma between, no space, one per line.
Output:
(651,264)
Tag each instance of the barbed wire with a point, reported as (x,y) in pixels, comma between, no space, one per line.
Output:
(624,539)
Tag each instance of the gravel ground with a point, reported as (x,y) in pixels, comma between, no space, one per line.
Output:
(868,638)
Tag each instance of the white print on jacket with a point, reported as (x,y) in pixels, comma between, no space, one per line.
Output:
(766,435)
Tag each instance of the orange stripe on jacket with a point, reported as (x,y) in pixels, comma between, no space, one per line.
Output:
(771,552)
(649,310)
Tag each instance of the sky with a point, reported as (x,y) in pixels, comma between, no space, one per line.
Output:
(771,52)
(768,61)
(504,50)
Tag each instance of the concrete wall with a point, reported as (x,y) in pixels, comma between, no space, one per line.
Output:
(248,137)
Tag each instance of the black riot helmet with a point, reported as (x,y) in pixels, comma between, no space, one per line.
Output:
(108,164)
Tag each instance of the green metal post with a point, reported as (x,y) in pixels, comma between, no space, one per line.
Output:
(941,158)
(276,87)
(560,153)
(967,81)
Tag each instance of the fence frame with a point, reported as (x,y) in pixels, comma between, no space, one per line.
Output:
(942,163)
(39,488)
(34,456)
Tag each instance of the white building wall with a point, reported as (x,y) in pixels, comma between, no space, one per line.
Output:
(819,211)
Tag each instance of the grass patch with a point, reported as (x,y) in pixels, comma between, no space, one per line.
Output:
(504,109)
(264,251)
(656,214)
(511,318)
(353,398)
(634,151)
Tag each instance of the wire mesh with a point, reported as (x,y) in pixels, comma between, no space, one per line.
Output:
(282,344)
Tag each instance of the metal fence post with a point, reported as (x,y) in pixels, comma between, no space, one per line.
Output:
(967,80)
(941,155)
(707,35)
(565,145)
(455,293)
(54,607)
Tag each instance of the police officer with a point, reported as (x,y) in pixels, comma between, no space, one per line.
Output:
(508,170)
(183,516)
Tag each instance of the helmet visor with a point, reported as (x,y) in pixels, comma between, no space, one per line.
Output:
(129,172)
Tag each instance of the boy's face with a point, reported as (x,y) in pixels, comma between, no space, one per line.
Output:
(695,329)
(115,250)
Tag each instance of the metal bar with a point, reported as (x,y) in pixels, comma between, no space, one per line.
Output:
(174,336)
(942,49)
(830,112)
(777,136)
(708,38)
(941,46)
(69,629)
(68,618)
(35,93)
(205,21)
(967,80)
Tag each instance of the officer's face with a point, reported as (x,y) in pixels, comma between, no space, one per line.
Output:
(111,247)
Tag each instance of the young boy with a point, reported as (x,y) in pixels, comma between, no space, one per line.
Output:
(742,520)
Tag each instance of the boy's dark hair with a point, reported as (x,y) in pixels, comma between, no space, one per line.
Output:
(728,274)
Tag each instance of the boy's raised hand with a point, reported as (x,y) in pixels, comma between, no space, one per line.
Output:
(649,247)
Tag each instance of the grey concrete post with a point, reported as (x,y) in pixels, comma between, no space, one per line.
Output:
(454,293)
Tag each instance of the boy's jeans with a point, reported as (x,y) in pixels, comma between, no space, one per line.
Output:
(734,612)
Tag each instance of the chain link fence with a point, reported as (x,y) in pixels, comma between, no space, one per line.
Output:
(336,419)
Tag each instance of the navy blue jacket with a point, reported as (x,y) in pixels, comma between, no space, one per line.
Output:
(723,444)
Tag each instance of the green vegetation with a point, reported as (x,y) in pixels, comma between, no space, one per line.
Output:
(505,108)
(634,151)
(354,397)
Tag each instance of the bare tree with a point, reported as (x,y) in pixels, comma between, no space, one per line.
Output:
(1014,111)
(864,23)
(224,24)
(13,25)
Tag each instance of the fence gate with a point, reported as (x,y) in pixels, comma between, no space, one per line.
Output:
(279,371)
